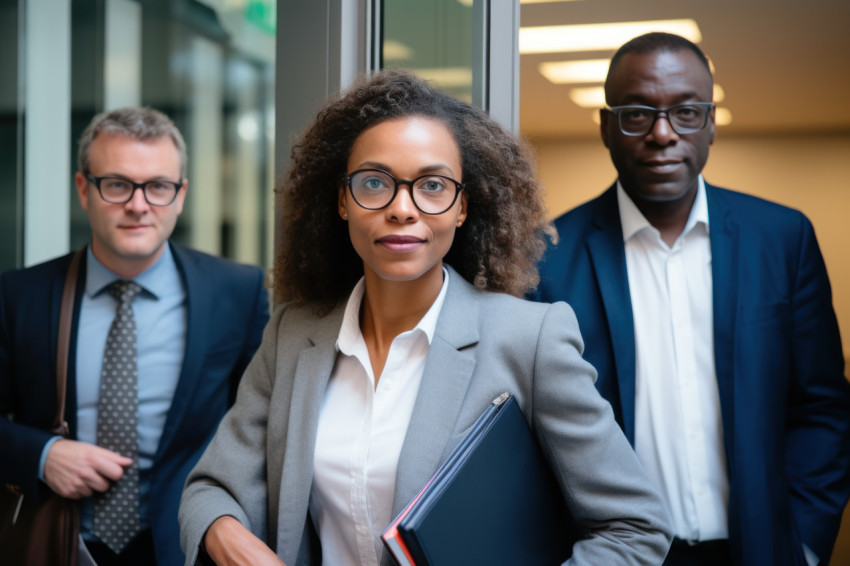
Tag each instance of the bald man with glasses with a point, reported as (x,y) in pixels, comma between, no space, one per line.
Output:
(708,315)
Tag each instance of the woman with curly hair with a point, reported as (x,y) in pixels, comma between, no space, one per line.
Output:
(411,223)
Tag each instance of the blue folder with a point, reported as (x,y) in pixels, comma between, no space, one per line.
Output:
(494,501)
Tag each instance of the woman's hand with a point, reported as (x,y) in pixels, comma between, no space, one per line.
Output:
(228,543)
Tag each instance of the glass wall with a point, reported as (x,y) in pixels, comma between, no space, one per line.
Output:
(10,139)
(466,47)
(208,64)
(211,69)
(434,39)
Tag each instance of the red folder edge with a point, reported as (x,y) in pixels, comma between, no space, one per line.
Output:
(392,537)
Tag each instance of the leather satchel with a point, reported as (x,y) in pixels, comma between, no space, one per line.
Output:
(45,532)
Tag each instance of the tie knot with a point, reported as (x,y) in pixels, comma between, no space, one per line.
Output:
(124,291)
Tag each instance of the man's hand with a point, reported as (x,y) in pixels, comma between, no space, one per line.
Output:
(77,469)
(230,544)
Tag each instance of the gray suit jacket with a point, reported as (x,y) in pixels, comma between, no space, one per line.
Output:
(259,466)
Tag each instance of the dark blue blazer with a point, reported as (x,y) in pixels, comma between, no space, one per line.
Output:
(227,308)
(784,401)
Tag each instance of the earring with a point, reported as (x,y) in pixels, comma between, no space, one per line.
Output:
(345,216)
(459,223)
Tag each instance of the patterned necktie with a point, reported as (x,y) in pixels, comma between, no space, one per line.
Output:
(116,512)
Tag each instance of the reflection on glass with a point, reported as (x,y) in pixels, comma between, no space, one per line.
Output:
(434,39)
(211,69)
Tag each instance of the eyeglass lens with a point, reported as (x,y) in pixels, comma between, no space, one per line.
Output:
(432,194)
(118,191)
(684,118)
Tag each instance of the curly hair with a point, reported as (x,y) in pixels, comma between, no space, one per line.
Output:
(496,249)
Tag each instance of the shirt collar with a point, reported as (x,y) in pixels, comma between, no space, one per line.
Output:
(633,221)
(350,334)
(153,280)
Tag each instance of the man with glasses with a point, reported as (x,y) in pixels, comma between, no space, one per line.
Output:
(184,325)
(708,315)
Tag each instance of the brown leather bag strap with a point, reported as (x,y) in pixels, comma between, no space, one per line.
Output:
(66,315)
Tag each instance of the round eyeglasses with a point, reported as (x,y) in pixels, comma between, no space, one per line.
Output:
(374,189)
(687,118)
(116,190)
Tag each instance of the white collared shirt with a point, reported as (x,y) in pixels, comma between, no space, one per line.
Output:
(678,426)
(360,435)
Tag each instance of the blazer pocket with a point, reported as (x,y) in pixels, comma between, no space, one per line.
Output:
(765,313)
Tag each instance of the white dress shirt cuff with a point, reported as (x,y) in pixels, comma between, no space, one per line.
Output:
(43,458)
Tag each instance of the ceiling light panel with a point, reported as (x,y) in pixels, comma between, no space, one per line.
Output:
(588,97)
(584,71)
(598,37)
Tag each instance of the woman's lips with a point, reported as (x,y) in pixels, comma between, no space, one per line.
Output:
(400,243)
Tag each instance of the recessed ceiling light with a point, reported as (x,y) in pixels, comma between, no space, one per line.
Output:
(591,37)
(469,2)
(591,71)
(594,97)
(588,97)
(722,117)
(584,71)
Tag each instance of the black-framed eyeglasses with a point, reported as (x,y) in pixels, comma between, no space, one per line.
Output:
(374,189)
(116,190)
(687,118)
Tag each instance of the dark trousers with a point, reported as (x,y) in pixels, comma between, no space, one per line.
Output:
(139,552)
(707,553)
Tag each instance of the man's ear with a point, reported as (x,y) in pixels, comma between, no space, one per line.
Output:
(181,195)
(82,189)
(712,127)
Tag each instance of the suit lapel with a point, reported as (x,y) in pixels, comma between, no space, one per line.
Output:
(199,303)
(608,257)
(312,373)
(445,379)
(724,232)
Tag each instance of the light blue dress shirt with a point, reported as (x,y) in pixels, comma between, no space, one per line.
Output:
(160,315)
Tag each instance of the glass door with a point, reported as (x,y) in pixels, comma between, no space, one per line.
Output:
(466,47)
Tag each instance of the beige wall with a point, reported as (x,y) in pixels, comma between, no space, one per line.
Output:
(810,173)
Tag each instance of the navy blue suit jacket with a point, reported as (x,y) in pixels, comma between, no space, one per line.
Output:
(227,308)
(784,400)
